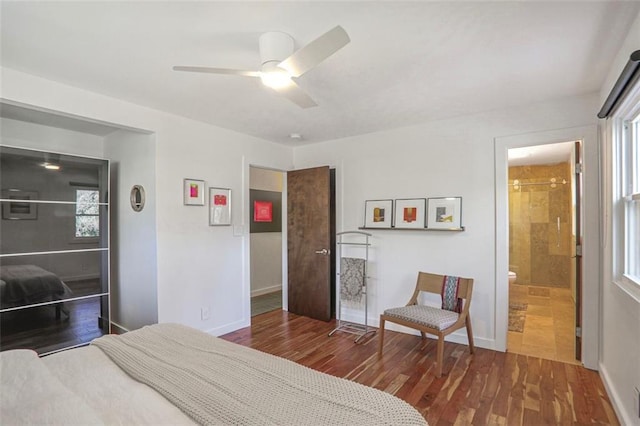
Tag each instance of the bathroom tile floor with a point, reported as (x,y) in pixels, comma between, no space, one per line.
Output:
(549,326)
(266,303)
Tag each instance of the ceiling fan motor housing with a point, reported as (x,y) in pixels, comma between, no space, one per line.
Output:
(275,46)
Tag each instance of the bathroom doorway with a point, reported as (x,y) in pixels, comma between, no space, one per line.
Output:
(544,199)
(265,239)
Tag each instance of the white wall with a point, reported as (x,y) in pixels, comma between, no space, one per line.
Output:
(445,158)
(266,247)
(620,349)
(134,296)
(198,266)
(45,138)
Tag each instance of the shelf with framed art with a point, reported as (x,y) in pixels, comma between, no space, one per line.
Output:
(440,214)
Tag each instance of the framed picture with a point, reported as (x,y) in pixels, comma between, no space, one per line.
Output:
(219,206)
(193,192)
(409,213)
(265,210)
(19,205)
(444,213)
(378,213)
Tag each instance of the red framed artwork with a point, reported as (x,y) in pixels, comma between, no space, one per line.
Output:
(219,206)
(262,211)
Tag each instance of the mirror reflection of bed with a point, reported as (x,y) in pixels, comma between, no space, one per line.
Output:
(52,321)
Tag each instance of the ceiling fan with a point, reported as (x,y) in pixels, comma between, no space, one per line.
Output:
(280,63)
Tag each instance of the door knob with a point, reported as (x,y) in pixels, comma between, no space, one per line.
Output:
(323,252)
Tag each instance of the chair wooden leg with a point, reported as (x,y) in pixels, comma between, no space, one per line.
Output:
(381,338)
(470,334)
(424,336)
(440,355)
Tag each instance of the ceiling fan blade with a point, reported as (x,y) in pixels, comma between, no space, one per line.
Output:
(315,52)
(295,94)
(218,71)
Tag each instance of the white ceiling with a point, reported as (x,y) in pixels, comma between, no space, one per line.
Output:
(407,63)
(541,154)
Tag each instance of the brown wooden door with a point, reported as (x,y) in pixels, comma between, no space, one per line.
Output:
(577,249)
(309,242)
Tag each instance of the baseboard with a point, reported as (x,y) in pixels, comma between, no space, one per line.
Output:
(119,327)
(266,290)
(228,328)
(624,417)
(459,336)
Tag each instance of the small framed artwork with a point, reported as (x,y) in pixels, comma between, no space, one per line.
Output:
(219,206)
(262,211)
(193,192)
(444,213)
(265,210)
(409,213)
(20,205)
(378,213)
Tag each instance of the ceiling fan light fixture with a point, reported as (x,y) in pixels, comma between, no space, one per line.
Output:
(275,78)
(280,64)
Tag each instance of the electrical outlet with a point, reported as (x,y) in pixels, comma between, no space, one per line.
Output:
(205,313)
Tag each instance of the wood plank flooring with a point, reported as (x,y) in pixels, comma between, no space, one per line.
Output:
(39,329)
(487,388)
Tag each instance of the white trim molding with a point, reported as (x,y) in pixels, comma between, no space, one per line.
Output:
(591,234)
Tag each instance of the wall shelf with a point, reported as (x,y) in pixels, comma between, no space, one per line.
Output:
(415,229)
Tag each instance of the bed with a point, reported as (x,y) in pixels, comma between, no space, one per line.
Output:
(22,285)
(172,374)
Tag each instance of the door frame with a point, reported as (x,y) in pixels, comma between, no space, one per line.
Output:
(243,230)
(591,233)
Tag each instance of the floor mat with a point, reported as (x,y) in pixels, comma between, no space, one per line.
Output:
(517,316)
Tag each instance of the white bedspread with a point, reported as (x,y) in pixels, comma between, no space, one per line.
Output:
(30,394)
(84,387)
(77,387)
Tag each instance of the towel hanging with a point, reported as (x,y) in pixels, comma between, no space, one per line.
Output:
(351,279)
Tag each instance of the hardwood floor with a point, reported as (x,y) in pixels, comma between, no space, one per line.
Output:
(487,388)
(40,330)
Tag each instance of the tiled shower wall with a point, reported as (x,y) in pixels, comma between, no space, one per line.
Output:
(538,253)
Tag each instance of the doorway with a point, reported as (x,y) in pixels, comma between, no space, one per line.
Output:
(544,230)
(265,239)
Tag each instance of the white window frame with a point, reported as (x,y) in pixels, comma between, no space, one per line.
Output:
(76,238)
(626,191)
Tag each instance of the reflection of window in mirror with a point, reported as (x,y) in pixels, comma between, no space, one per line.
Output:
(87,221)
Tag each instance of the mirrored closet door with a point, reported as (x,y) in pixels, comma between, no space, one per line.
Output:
(54,250)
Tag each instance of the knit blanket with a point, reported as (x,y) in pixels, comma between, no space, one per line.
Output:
(218,382)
